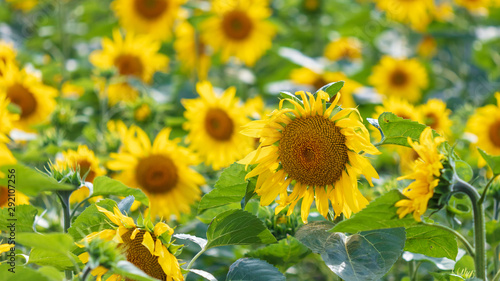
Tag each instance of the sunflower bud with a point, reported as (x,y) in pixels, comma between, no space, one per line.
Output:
(66,175)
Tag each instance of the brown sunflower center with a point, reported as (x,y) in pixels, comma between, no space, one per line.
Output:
(156,174)
(23,98)
(84,168)
(4,196)
(129,65)
(140,256)
(432,120)
(237,25)
(399,78)
(218,124)
(312,151)
(150,9)
(495,133)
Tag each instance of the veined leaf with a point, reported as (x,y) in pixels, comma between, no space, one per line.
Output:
(431,241)
(91,220)
(493,161)
(104,186)
(247,269)
(396,130)
(24,218)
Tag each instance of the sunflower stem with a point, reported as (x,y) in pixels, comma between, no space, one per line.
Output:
(191,263)
(64,197)
(486,189)
(86,272)
(496,257)
(468,246)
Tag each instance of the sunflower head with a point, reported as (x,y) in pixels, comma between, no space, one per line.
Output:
(435,115)
(345,48)
(418,14)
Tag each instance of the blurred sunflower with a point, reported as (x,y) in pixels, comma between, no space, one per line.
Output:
(426,171)
(143,247)
(70,90)
(239,28)
(475,6)
(344,48)
(306,76)
(187,43)
(435,115)
(416,13)
(443,12)
(7,53)
(214,125)
(27,91)
(134,55)
(6,119)
(160,170)
(403,78)
(23,5)
(399,107)
(427,47)
(20,198)
(152,17)
(121,92)
(315,147)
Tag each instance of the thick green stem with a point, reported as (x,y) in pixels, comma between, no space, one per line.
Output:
(479,226)
(64,197)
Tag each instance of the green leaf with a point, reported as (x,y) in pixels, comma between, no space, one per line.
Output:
(104,186)
(288,95)
(56,242)
(247,269)
(396,130)
(21,273)
(431,241)
(52,258)
(29,181)
(250,192)
(286,253)
(493,233)
(129,270)
(333,88)
(24,218)
(51,273)
(463,170)
(237,227)
(91,220)
(379,214)
(493,161)
(364,256)
(207,216)
(445,276)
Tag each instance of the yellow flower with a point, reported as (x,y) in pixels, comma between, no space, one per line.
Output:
(348,48)
(153,17)
(443,12)
(160,170)
(427,48)
(6,118)
(475,6)
(25,90)
(17,198)
(121,92)
(191,50)
(426,170)
(239,28)
(403,78)
(7,53)
(214,125)
(142,112)
(142,247)
(23,5)
(70,90)
(134,55)
(306,76)
(435,115)
(416,13)
(316,149)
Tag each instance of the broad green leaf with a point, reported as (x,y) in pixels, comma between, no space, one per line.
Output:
(463,170)
(286,253)
(431,241)
(363,256)
(493,233)
(127,269)
(397,130)
(493,161)
(332,88)
(21,273)
(52,258)
(445,276)
(207,216)
(250,192)
(247,269)
(379,214)
(30,181)
(23,217)
(51,273)
(441,263)
(104,186)
(91,220)
(465,263)
(237,227)
(57,242)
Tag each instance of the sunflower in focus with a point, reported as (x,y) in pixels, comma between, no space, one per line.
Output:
(214,125)
(426,171)
(435,115)
(187,43)
(239,28)
(317,149)
(23,5)
(160,170)
(27,91)
(132,55)
(152,17)
(345,48)
(146,248)
(475,6)
(405,78)
(416,13)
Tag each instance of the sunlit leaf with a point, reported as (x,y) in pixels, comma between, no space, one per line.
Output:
(104,186)
(23,216)
(493,161)
(431,241)
(396,130)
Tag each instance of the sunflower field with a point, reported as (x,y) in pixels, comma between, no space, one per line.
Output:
(250,140)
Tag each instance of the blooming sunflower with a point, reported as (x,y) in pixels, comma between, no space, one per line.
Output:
(25,90)
(187,43)
(403,78)
(475,6)
(435,115)
(134,55)
(306,76)
(143,247)
(426,170)
(152,17)
(214,124)
(239,28)
(160,170)
(416,13)
(348,48)
(316,148)
(19,197)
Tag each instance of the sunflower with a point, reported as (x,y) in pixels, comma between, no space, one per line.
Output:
(403,78)
(152,17)
(187,43)
(435,115)
(132,55)
(70,90)
(239,28)
(26,91)
(475,6)
(318,150)
(427,48)
(19,198)
(121,92)
(426,170)
(443,12)
(143,247)
(160,170)
(306,76)
(23,5)
(344,48)
(7,118)
(7,53)
(416,13)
